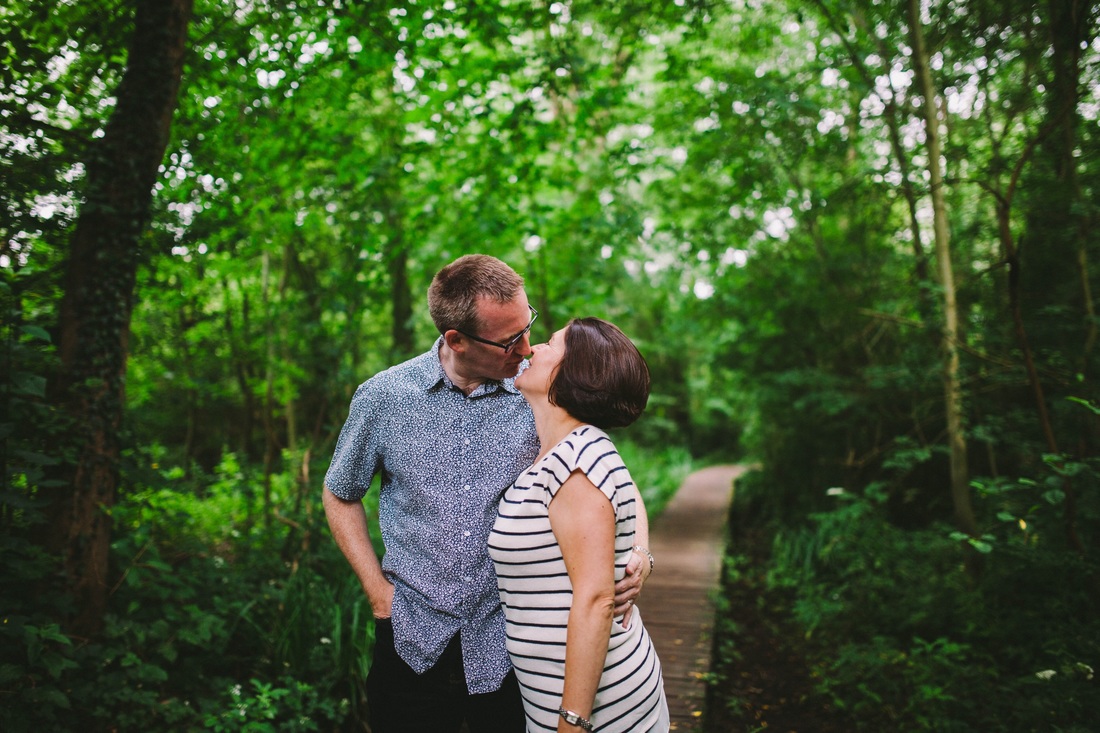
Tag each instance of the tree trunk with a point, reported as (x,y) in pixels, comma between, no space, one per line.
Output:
(395,249)
(1069,24)
(956,437)
(95,310)
(1055,262)
(894,122)
(1012,258)
(271,441)
(400,294)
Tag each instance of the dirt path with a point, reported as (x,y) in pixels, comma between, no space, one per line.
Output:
(677,604)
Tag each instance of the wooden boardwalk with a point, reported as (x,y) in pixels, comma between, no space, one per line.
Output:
(677,605)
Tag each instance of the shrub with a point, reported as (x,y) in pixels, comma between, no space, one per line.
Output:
(913,634)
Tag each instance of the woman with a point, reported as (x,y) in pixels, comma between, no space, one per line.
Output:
(564,534)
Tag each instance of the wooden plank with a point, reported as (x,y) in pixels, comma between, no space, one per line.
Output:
(676,604)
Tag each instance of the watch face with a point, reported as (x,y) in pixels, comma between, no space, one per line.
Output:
(573,719)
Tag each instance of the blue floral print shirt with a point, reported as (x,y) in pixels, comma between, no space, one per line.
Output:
(445,459)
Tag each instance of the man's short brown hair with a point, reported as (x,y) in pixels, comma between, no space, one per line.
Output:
(602,378)
(454,292)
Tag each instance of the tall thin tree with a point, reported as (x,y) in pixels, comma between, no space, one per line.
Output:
(952,385)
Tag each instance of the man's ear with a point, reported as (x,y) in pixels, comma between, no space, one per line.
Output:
(455,341)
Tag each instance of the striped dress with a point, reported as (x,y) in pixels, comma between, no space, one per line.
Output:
(536,594)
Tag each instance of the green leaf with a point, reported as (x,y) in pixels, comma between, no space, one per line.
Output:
(52,633)
(34,458)
(36,332)
(30,385)
(1054,496)
(9,673)
(56,663)
(1086,404)
(51,696)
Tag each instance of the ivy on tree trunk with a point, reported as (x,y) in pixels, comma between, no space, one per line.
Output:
(94,324)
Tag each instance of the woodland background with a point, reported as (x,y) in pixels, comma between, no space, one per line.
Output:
(855,239)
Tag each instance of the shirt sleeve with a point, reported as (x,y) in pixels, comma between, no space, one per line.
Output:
(355,460)
(592,454)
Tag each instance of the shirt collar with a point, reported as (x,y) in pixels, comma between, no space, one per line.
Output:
(434,376)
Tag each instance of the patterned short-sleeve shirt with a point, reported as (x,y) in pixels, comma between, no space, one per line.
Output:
(445,459)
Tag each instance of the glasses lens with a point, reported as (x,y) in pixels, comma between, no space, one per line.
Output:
(514,341)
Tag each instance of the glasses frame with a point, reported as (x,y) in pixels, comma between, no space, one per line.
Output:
(510,343)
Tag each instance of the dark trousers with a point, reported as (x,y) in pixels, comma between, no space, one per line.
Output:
(402,701)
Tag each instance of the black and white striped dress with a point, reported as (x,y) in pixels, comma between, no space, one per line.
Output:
(536,594)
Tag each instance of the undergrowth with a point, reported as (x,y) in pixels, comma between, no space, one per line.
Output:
(231,608)
(924,629)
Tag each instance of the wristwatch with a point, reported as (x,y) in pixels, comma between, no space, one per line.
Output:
(643,551)
(574,719)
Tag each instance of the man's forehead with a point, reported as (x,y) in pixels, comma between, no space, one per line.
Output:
(493,311)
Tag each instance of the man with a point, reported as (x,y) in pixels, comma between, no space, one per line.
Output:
(447,432)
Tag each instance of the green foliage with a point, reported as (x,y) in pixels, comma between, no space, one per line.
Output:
(207,601)
(739,185)
(914,686)
(908,639)
(265,708)
(218,621)
(657,472)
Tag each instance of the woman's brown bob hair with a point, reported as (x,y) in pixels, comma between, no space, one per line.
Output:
(602,378)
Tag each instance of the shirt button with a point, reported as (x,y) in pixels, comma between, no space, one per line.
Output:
(466,578)
(467,441)
(466,487)
(465,534)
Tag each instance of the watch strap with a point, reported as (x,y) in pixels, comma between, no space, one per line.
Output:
(574,719)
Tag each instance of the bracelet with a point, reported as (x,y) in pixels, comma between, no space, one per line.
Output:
(574,719)
(643,551)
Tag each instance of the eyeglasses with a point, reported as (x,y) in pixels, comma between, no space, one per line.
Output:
(510,343)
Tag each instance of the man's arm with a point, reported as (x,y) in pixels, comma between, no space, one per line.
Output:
(348,522)
(638,569)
